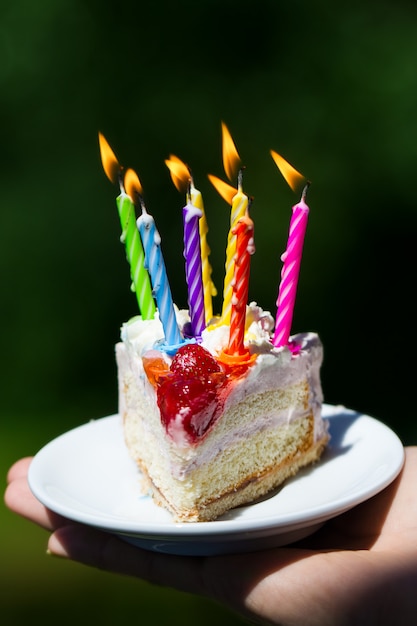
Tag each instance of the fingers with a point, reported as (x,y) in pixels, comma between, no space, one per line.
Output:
(19,499)
(233,580)
(19,469)
(106,551)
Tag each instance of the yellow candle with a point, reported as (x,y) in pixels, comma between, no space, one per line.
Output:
(239,203)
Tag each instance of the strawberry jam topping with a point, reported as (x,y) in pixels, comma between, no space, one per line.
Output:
(190,393)
(194,360)
(189,403)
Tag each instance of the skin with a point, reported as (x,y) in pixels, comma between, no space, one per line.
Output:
(360,568)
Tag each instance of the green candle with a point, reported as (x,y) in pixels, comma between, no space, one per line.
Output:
(141,284)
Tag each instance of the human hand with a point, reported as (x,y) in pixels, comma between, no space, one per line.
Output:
(360,568)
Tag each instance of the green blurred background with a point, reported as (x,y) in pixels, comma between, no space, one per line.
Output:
(332,87)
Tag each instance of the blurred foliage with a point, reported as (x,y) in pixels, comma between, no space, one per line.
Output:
(333,88)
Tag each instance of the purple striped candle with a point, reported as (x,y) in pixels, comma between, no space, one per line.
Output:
(193,268)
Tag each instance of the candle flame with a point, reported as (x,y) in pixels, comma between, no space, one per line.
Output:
(292,177)
(111,165)
(226,191)
(133,185)
(231,158)
(179,171)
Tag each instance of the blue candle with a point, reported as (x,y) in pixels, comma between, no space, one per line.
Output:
(155,265)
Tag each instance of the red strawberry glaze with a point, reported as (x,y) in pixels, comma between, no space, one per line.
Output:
(191,393)
(191,404)
(195,360)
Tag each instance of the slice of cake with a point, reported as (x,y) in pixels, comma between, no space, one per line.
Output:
(216,413)
(211,435)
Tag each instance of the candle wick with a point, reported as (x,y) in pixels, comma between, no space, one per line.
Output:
(120,180)
(138,199)
(142,204)
(305,190)
(240,178)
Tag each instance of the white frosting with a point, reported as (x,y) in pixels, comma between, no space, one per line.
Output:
(143,335)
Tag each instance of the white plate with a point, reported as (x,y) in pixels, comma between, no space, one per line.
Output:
(86,475)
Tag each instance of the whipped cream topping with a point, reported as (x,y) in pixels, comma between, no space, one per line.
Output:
(143,335)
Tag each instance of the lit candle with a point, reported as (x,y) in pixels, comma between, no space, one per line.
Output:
(155,265)
(184,181)
(239,203)
(245,247)
(239,207)
(290,272)
(192,255)
(130,236)
(292,255)
(209,288)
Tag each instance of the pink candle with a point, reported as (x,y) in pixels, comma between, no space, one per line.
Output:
(290,272)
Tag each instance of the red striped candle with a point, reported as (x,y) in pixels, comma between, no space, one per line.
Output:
(245,247)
